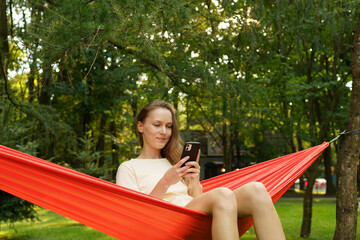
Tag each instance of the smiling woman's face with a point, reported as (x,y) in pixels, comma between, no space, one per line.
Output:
(156,129)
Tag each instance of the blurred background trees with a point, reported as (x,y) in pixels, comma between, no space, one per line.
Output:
(268,77)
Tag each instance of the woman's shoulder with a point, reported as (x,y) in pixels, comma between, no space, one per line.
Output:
(129,162)
(134,162)
(131,165)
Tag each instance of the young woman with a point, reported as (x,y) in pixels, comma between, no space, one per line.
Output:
(157,171)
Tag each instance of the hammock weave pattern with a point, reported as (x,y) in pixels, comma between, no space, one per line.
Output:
(126,214)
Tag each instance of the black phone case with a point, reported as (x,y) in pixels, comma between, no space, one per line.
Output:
(192,152)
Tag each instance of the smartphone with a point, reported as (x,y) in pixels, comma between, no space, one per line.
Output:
(191,149)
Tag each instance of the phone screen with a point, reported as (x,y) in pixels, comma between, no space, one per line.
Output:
(191,149)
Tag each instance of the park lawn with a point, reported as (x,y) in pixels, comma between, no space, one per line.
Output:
(51,226)
(323,219)
(55,227)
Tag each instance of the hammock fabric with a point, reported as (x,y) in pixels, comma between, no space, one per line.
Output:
(126,214)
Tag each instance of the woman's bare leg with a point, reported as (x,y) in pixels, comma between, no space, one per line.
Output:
(254,200)
(221,204)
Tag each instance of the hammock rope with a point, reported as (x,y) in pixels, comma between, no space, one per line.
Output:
(352,132)
(126,214)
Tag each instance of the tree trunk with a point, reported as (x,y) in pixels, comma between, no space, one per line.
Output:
(311,172)
(300,148)
(115,151)
(307,205)
(330,188)
(44,96)
(134,109)
(4,45)
(323,136)
(36,20)
(348,156)
(30,82)
(46,151)
(100,146)
(225,137)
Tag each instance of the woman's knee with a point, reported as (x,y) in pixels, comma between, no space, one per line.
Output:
(257,192)
(218,199)
(224,198)
(258,187)
(223,192)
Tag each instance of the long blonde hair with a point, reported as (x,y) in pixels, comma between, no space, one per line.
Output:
(172,150)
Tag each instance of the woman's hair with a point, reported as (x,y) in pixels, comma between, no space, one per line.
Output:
(172,150)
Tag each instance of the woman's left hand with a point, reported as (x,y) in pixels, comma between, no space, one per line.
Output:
(193,173)
(193,176)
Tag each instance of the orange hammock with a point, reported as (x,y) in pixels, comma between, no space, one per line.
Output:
(127,214)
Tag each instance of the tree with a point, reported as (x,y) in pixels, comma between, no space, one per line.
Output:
(241,71)
(4,46)
(13,209)
(348,156)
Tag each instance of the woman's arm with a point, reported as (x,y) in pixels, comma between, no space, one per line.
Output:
(160,189)
(195,190)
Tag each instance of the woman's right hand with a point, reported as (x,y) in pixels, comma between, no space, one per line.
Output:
(176,172)
(171,177)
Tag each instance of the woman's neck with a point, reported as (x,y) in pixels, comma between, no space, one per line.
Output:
(150,154)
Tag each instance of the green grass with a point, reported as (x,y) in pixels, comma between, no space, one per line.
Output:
(55,227)
(323,219)
(51,226)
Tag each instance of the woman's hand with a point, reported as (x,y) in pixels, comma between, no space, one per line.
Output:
(193,177)
(176,172)
(193,172)
(172,176)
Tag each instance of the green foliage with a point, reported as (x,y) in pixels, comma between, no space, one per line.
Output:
(265,76)
(87,156)
(13,209)
(269,77)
